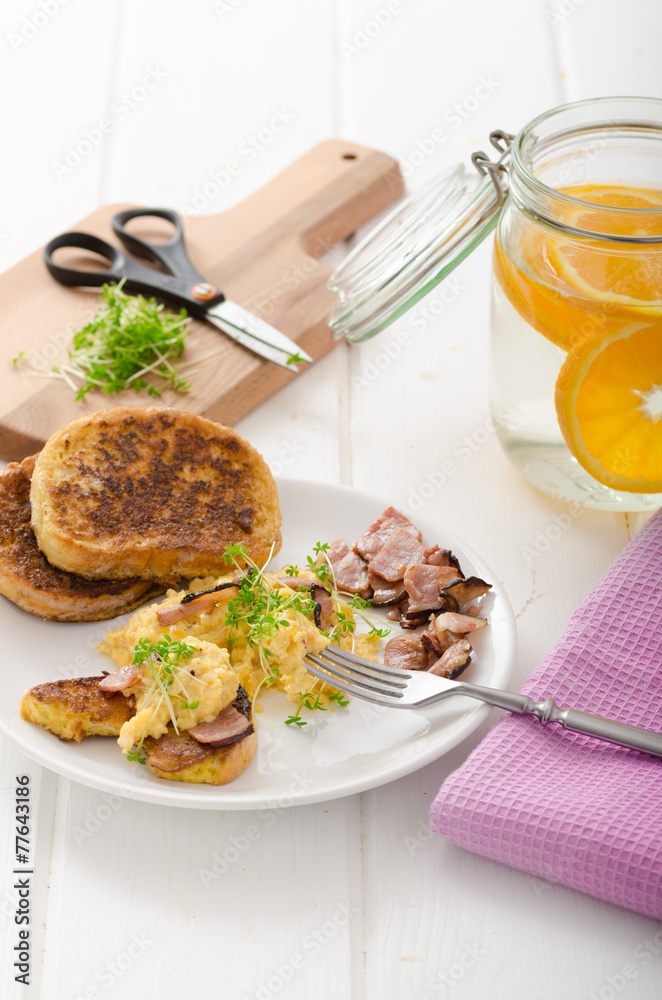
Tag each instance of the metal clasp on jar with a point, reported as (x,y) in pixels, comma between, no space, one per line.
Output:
(497,169)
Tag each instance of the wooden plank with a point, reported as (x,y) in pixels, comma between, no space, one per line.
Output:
(448,76)
(248,62)
(42,785)
(257,902)
(297,429)
(45,59)
(454,923)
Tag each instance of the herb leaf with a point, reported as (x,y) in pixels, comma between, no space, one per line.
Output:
(160,658)
(130,343)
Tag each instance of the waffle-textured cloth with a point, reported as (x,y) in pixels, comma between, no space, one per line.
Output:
(566,807)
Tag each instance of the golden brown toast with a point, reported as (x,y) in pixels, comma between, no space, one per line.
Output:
(155,493)
(75,708)
(181,758)
(29,580)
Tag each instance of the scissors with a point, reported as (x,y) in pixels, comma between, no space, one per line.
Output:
(176,280)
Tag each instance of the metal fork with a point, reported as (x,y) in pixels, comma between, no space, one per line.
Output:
(397,688)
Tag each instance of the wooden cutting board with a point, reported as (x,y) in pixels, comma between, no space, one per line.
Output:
(261,253)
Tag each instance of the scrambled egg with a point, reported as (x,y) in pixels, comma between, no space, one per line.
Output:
(205,679)
(225,659)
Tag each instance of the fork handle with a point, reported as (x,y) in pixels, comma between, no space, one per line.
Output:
(569,718)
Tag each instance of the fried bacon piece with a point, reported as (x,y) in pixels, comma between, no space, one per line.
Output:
(381,530)
(337,550)
(390,563)
(324,611)
(385,592)
(407,652)
(401,551)
(201,605)
(467,591)
(120,679)
(295,582)
(352,575)
(442,557)
(412,619)
(424,584)
(431,646)
(201,602)
(461,624)
(456,659)
(228,727)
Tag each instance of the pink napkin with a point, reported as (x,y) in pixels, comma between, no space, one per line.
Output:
(560,805)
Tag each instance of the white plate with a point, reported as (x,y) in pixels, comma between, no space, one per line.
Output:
(337,753)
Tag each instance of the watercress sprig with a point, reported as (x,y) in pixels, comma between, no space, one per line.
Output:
(161,657)
(131,342)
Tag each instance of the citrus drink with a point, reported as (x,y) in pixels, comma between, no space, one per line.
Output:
(577,347)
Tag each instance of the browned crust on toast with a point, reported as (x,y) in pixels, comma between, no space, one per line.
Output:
(180,757)
(154,492)
(28,579)
(73,708)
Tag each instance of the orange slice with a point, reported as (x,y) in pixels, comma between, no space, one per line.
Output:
(570,289)
(616,196)
(543,307)
(609,407)
(621,274)
(625,223)
(632,279)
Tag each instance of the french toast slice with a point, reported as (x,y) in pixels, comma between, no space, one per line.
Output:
(154,493)
(74,708)
(179,757)
(28,579)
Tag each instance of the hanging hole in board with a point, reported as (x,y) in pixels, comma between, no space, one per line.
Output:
(349,156)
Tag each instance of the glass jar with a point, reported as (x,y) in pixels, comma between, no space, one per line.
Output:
(578,259)
(577,292)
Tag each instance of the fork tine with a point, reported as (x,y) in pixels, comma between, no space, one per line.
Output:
(338,672)
(397,673)
(356,666)
(324,670)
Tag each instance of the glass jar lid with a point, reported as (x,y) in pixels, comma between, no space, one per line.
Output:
(418,244)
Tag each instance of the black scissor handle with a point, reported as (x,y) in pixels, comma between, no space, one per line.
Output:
(171,255)
(137,277)
(182,285)
(81,276)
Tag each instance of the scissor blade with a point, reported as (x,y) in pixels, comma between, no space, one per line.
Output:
(244,320)
(253,344)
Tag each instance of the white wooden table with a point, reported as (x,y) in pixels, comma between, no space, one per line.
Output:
(353,897)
